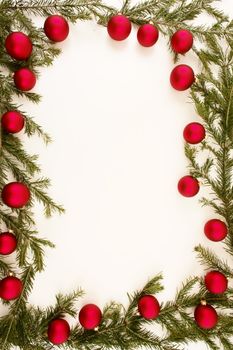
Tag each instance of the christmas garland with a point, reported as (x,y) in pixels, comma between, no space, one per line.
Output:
(201,310)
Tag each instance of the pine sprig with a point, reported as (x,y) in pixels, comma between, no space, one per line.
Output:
(212,261)
(71,9)
(153,286)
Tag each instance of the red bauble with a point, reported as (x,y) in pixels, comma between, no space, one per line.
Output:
(194,133)
(188,186)
(182,77)
(58,331)
(216,282)
(18,45)
(8,243)
(56,28)
(12,122)
(215,230)
(182,41)
(148,307)
(24,79)
(206,317)
(10,288)
(119,27)
(90,316)
(147,35)
(15,195)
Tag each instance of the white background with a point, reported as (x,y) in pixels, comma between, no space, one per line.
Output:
(114,163)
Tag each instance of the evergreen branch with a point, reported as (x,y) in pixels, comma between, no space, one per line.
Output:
(33,128)
(153,286)
(11,319)
(208,258)
(65,305)
(71,9)
(50,206)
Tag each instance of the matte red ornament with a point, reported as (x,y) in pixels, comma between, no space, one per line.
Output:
(194,133)
(147,35)
(12,122)
(182,41)
(182,77)
(18,45)
(216,282)
(58,331)
(148,307)
(188,186)
(8,243)
(90,316)
(15,195)
(24,79)
(215,230)
(56,28)
(10,288)
(119,27)
(206,316)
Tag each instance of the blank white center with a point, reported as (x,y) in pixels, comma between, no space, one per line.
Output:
(114,164)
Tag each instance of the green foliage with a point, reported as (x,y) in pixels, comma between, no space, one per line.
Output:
(25,325)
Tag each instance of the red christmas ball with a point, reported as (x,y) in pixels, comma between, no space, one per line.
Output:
(12,122)
(10,288)
(215,230)
(216,282)
(90,316)
(18,45)
(182,77)
(188,186)
(194,133)
(119,27)
(58,331)
(56,28)
(15,195)
(8,243)
(206,317)
(182,41)
(148,307)
(24,79)
(147,35)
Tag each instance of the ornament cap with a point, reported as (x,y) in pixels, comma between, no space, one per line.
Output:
(203,302)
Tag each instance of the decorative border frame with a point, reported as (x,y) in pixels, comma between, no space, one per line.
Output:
(25,325)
